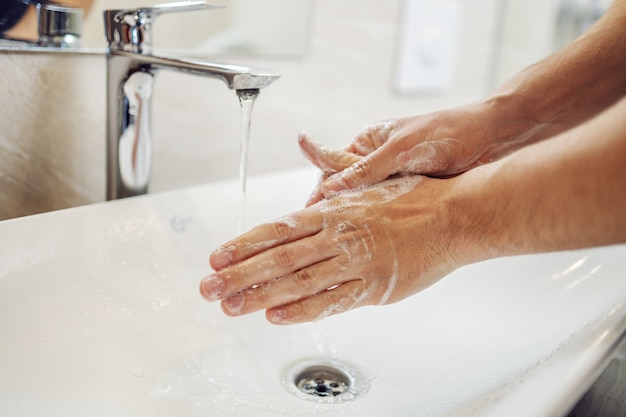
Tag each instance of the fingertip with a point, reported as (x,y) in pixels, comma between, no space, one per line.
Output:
(203,293)
(233,306)
(307,143)
(276,315)
(220,258)
(311,201)
(212,288)
(305,140)
(315,197)
(308,148)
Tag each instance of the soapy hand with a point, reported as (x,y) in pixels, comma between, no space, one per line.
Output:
(440,144)
(375,246)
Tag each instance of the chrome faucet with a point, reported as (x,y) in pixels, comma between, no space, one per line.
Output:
(131,70)
(57,26)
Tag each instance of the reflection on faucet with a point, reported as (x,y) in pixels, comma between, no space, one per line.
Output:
(40,23)
(131,68)
(135,142)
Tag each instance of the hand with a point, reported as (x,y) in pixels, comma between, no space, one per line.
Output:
(440,144)
(374,246)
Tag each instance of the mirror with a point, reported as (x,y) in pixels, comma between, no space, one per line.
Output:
(258,27)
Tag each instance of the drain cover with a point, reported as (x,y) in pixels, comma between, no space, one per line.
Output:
(323,381)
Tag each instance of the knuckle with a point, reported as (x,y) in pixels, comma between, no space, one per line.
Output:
(343,240)
(285,256)
(361,170)
(281,230)
(348,236)
(304,277)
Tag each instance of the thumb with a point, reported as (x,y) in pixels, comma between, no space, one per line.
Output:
(369,170)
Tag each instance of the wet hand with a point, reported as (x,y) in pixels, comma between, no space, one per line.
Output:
(376,246)
(440,144)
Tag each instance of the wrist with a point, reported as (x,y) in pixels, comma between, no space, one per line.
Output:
(513,114)
(476,217)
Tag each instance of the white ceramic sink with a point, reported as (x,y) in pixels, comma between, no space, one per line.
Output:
(100,315)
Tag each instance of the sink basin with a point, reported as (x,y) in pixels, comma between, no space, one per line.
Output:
(100,315)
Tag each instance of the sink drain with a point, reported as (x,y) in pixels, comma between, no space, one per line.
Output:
(323,381)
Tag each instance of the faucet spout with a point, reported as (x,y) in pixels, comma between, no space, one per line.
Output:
(236,77)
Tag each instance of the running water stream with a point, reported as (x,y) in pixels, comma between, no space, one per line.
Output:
(246,99)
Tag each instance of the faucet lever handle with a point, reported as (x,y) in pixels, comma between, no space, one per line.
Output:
(58,25)
(131,29)
(182,6)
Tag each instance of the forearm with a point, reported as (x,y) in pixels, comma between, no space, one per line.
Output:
(567,192)
(567,88)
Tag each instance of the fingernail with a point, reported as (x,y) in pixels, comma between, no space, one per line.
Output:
(234,304)
(276,315)
(221,257)
(212,288)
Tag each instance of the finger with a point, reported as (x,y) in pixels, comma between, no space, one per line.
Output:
(327,159)
(267,266)
(370,170)
(315,196)
(287,289)
(285,229)
(372,138)
(347,296)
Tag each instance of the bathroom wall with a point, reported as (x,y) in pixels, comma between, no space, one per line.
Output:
(51,132)
(52,105)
